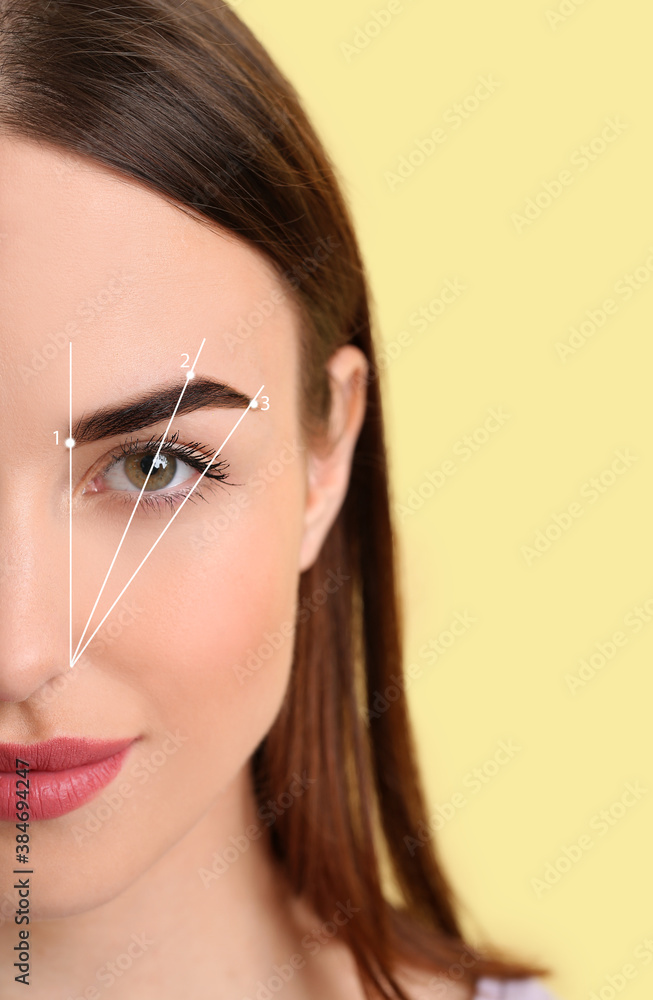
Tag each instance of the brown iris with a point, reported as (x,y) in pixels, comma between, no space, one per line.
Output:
(137,467)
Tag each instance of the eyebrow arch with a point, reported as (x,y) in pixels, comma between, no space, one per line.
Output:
(157,404)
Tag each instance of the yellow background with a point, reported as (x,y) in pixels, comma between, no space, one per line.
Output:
(465,549)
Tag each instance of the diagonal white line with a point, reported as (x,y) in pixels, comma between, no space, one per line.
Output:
(131,517)
(178,511)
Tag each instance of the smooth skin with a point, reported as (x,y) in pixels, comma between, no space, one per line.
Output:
(143,284)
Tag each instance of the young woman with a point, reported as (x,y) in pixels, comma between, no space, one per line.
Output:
(199,796)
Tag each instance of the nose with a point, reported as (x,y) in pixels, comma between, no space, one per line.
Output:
(34,595)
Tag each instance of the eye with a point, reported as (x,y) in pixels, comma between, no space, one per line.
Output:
(131,472)
(124,474)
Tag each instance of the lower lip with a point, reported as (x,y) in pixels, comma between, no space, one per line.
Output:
(55,793)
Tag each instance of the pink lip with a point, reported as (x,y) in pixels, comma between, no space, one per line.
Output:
(64,773)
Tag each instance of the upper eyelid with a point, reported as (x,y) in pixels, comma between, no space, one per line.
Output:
(135,444)
(171,444)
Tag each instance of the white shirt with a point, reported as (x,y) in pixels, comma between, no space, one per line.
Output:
(511,989)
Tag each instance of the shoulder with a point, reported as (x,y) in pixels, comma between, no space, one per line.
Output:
(511,989)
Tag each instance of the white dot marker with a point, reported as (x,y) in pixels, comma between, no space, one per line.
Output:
(69,442)
(254,404)
(190,375)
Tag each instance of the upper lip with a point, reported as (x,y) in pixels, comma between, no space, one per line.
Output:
(60,753)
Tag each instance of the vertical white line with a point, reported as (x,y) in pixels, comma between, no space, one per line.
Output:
(70,501)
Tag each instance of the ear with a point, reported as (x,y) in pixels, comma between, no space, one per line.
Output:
(329,461)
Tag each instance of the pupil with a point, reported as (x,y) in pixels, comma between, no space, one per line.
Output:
(148,462)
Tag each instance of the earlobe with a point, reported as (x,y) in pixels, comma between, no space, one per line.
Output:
(329,460)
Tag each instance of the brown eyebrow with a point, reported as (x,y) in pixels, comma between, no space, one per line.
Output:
(156,405)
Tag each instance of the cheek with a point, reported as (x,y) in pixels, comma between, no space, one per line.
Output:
(211,647)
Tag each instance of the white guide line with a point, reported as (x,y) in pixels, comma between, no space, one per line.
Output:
(131,517)
(170,522)
(70,500)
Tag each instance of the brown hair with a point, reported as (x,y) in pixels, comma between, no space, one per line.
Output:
(183,98)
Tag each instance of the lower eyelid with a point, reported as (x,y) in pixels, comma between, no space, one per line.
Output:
(157,501)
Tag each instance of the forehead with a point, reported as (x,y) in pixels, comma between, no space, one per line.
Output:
(90,256)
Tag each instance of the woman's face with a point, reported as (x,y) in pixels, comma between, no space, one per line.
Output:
(193,661)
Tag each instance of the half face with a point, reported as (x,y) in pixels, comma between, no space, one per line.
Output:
(174,671)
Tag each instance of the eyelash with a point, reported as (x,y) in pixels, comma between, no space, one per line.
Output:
(194,455)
